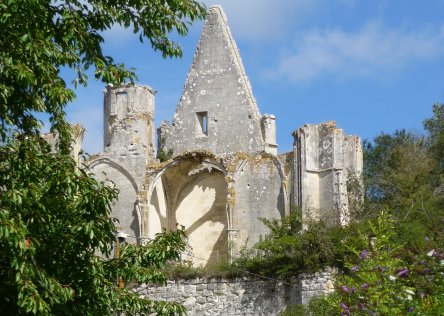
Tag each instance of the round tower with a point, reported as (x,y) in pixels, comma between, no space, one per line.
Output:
(129,121)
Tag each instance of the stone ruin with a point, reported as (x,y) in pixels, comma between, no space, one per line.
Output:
(225,171)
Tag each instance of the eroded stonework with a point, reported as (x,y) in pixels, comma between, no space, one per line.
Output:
(325,159)
(224,172)
(242,295)
(217,110)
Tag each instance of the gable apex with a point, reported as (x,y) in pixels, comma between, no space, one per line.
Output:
(217,102)
(216,26)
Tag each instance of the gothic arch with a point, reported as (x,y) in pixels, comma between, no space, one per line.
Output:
(192,193)
(125,209)
(115,165)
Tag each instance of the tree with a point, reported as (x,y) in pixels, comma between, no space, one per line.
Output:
(403,173)
(39,37)
(393,165)
(388,278)
(435,128)
(54,217)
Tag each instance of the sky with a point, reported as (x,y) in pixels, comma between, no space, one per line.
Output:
(371,66)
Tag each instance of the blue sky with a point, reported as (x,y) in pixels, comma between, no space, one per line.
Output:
(371,66)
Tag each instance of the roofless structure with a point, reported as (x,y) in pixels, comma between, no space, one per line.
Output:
(225,171)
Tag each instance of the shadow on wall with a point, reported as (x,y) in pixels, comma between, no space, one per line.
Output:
(197,202)
(135,227)
(124,208)
(280,202)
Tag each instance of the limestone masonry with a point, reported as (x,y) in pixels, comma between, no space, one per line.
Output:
(240,296)
(225,171)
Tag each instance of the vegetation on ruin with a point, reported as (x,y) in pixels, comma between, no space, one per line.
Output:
(186,271)
(392,256)
(164,154)
(55,218)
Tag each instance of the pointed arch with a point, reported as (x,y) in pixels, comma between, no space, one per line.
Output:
(126,208)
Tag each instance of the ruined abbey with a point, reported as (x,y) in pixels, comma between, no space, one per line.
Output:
(224,171)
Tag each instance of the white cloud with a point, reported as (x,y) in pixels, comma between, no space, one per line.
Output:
(248,19)
(265,19)
(118,35)
(372,50)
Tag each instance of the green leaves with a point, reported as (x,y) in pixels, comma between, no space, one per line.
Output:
(39,38)
(435,128)
(54,220)
(383,279)
(290,250)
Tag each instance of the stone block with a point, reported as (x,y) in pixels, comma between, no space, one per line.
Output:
(190,302)
(211,286)
(190,288)
(201,299)
(200,287)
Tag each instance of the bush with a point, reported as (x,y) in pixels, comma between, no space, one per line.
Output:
(289,250)
(389,278)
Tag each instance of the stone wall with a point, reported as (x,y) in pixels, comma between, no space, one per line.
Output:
(217,110)
(315,284)
(324,160)
(241,296)
(259,191)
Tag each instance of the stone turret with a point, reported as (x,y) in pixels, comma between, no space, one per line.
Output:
(324,160)
(217,111)
(77,134)
(129,126)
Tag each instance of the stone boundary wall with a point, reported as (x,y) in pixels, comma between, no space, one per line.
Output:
(316,284)
(240,296)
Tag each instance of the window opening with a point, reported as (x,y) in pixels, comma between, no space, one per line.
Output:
(202,117)
(119,106)
(122,97)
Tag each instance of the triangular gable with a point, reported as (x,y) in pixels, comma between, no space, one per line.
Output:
(217,110)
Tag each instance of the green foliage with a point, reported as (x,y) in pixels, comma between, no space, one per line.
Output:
(398,173)
(185,270)
(289,250)
(316,307)
(38,38)
(387,278)
(435,128)
(54,219)
(371,284)
(402,174)
(164,154)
